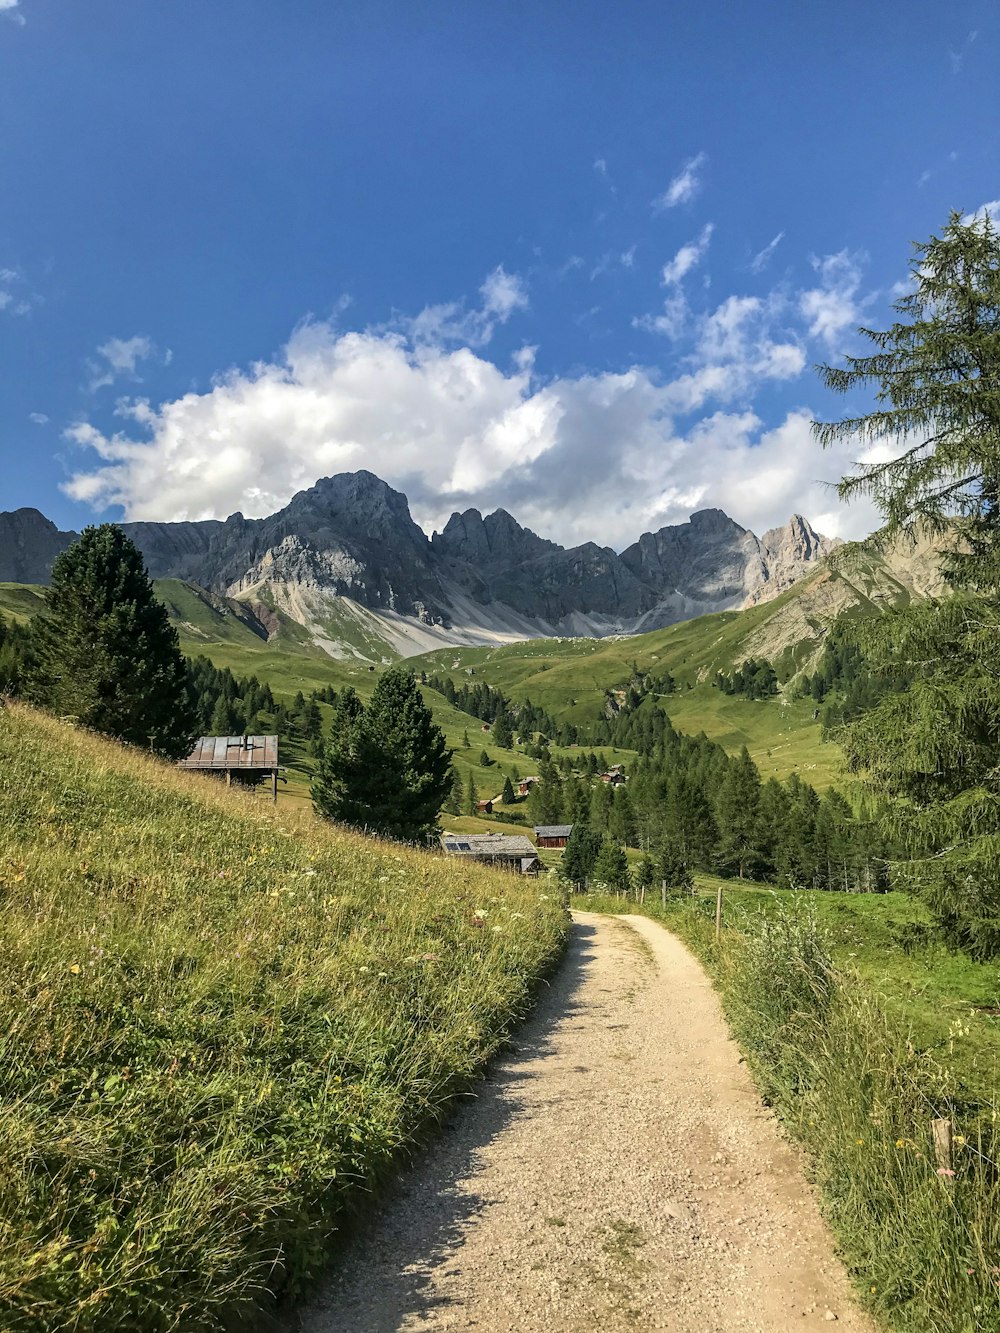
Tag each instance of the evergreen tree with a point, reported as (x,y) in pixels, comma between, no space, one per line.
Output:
(386,768)
(645,874)
(455,801)
(472,795)
(928,755)
(737,811)
(674,871)
(105,651)
(484,760)
(611,866)
(503,734)
(508,796)
(577,862)
(466,744)
(223,721)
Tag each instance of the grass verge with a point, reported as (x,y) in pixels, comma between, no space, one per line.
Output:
(851,1081)
(226,1026)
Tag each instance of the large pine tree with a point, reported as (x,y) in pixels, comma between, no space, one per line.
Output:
(385,768)
(929,754)
(105,651)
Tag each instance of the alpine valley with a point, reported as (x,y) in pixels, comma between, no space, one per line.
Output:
(345,561)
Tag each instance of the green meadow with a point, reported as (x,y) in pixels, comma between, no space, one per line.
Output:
(227,1026)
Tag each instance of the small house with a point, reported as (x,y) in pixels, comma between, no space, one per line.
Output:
(245,760)
(552,835)
(484,807)
(513,852)
(526,784)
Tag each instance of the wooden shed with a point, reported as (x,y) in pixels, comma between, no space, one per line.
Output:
(552,835)
(247,760)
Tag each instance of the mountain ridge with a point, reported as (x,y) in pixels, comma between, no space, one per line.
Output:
(348,546)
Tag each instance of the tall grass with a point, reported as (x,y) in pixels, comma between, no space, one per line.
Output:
(848,1081)
(223,1028)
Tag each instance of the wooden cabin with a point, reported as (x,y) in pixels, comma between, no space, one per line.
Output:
(552,835)
(245,760)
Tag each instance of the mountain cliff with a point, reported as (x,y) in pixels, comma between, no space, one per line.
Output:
(346,552)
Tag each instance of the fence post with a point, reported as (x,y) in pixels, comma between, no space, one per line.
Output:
(718,914)
(941,1134)
(663,893)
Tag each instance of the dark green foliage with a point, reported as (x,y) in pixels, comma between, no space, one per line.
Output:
(455,801)
(487,704)
(105,651)
(485,761)
(385,768)
(753,679)
(577,863)
(672,868)
(929,753)
(15,664)
(503,734)
(611,866)
(508,796)
(471,796)
(736,810)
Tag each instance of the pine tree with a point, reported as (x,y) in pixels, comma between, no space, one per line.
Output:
(105,651)
(223,721)
(577,862)
(472,796)
(928,754)
(508,796)
(387,768)
(673,869)
(484,760)
(737,811)
(611,866)
(503,734)
(455,801)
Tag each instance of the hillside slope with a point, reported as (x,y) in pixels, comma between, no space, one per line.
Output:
(225,1025)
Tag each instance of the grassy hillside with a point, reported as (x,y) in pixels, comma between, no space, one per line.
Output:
(226,1025)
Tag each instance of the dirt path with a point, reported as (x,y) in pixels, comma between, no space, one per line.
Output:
(616,1172)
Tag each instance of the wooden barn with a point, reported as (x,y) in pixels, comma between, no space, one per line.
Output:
(508,851)
(552,835)
(246,760)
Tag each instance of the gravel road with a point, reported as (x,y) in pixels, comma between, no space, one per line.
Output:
(616,1171)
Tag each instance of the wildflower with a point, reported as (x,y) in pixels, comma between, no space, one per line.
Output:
(946,1171)
(900,1143)
(479,914)
(960,1139)
(873,1290)
(859,1142)
(75,969)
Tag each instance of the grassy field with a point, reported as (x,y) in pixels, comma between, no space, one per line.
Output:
(861,1031)
(226,1026)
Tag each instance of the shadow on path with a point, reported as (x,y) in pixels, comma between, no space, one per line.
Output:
(383,1275)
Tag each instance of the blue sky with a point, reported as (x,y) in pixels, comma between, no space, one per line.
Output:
(577,260)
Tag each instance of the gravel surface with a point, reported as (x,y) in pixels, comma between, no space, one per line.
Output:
(616,1171)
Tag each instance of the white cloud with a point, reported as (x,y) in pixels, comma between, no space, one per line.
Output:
(38,418)
(762,258)
(687,257)
(502,294)
(13,296)
(593,457)
(833,307)
(10,9)
(600,166)
(684,186)
(119,358)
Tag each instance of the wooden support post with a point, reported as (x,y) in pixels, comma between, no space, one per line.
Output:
(229,777)
(718,914)
(642,896)
(663,893)
(941,1134)
(274,786)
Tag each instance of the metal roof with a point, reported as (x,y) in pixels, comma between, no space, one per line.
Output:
(553,830)
(487,844)
(222,752)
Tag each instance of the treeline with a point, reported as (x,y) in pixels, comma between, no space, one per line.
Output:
(228,705)
(754,678)
(506,718)
(689,804)
(844,682)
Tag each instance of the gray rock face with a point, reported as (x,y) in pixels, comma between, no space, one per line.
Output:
(352,536)
(29,542)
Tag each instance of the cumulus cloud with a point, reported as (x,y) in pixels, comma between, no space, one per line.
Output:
(9,9)
(118,358)
(14,298)
(684,186)
(598,456)
(834,306)
(676,269)
(38,418)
